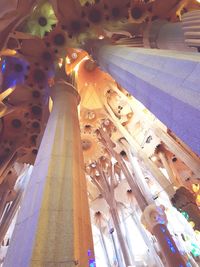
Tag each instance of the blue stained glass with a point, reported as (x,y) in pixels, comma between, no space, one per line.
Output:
(169,242)
(160,220)
(92,263)
(3,67)
(89,252)
(13,83)
(163,229)
(172,249)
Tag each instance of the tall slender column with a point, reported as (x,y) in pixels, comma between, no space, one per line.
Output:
(53,227)
(140,178)
(103,244)
(123,245)
(167,167)
(118,259)
(100,222)
(105,184)
(166,82)
(121,209)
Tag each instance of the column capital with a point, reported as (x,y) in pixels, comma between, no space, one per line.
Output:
(191,28)
(152,216)
(163,34)
(62,85)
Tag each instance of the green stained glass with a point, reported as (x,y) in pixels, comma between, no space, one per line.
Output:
(195,250)
(185,214)
(41,20)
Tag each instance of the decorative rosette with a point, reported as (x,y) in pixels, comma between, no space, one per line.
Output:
(92,148)
(138,12)
(42,20)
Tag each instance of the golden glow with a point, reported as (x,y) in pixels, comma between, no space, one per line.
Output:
(192,224)
(6,93)
(78,64)
(74,57)
(50,104)
(198,200)
(60,63)
(197,232)
(7,52)
(3,108)
(195,187)
(77,67)
(68,61)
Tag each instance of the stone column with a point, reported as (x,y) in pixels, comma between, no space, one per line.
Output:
(103,245)
(166,82)
(53,226)
(166,165)
(166,35)
(140,178)
(191,28)
(121,209)
(121,239)
(155,221)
